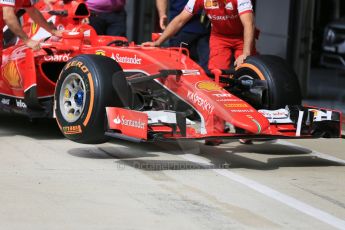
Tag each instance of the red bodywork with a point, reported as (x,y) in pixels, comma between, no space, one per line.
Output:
(24,71)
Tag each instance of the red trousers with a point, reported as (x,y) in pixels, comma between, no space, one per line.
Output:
(221,50)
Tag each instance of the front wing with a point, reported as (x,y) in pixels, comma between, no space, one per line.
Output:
(292,122)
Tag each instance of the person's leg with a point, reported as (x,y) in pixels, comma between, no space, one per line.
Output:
(116,23)
(201,43)
(197,46)
(180,37)
(238,47)
(97,23)
(203,50)
(220,53)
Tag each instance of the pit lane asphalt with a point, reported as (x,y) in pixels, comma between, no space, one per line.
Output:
(48,182)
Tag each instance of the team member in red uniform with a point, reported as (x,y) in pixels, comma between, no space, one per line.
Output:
(232,29)
(8,15)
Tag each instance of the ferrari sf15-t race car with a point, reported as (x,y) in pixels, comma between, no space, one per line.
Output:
(102,87)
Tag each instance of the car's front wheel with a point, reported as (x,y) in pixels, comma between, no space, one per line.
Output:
(83,91)
(281,89)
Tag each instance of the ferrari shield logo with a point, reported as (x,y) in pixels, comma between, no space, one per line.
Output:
(11,75)
(100,52)
(208,86)
(211,4)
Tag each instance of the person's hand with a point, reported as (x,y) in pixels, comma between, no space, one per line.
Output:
(239,61)
(57,33)
(163,22)
(34,45)
(149,44)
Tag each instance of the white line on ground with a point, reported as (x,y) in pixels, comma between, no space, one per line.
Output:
(269,192)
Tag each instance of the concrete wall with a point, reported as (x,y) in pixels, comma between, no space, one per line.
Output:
(286,30)
(272,18)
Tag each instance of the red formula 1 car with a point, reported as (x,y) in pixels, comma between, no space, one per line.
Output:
(99,87)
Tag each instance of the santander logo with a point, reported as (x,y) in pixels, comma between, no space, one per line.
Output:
(117,120)
(129,122)
(135,60)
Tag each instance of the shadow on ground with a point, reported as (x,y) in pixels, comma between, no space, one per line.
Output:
(42,129)
(155,156)
(150,156)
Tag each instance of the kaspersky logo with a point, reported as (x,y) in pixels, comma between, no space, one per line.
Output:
(130,123)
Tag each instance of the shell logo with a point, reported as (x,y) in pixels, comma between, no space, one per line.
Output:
(208,86)
(11,75)
(100,52)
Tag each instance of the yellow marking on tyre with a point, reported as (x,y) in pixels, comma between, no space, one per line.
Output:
(76,129)
(87,119)
(254,68)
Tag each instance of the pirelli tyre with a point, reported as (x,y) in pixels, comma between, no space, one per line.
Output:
(281,88)
(83,91)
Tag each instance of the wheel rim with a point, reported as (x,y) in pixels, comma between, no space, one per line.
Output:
(72,97)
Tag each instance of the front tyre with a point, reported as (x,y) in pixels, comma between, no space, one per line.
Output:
(282,83)
(83,91)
